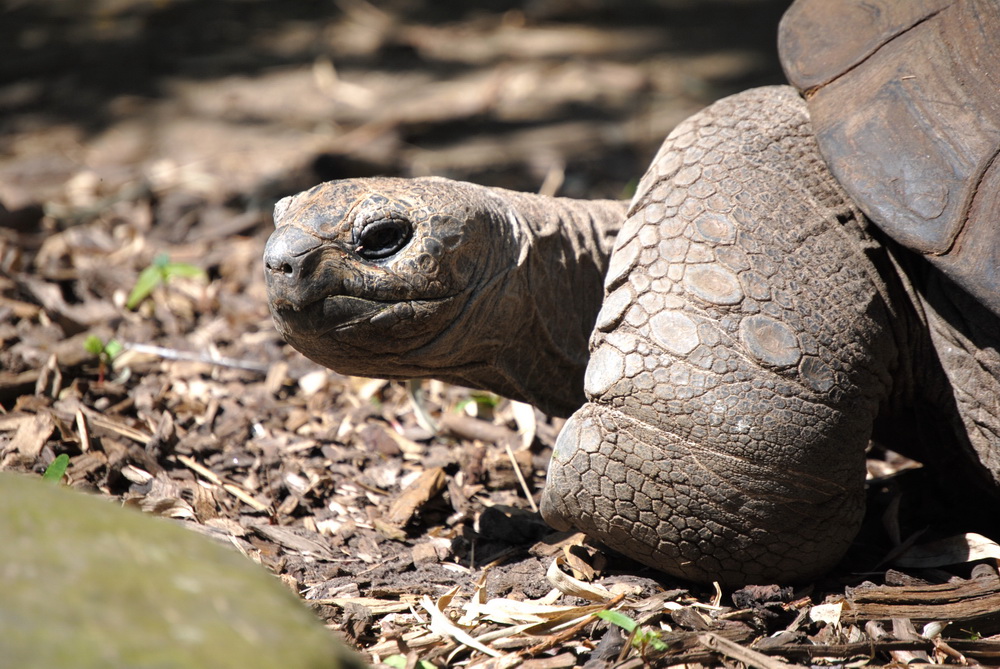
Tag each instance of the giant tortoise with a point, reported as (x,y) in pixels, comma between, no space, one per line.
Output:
(800,268)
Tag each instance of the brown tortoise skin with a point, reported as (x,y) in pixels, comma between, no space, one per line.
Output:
(495,290)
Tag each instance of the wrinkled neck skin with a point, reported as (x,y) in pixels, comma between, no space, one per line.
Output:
(543,307)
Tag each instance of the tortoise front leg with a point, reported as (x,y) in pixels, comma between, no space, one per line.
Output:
(739,360)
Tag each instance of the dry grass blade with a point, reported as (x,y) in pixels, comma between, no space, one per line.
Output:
(441,624)
(83,431)
(200,469)
(540,617)
(415,391)
(520,478)
(377,606)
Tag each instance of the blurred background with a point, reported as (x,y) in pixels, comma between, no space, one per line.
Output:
(214,108)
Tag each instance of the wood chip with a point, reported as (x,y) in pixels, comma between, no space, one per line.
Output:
(418,493)
(972,601)
(557,662)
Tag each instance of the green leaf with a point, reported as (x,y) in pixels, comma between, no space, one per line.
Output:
(183,269)
(629,189)
(487,400)
(481,400)
(148,280)
(113,349)
(642,637)
(55,471)
(93,345)
(618,618)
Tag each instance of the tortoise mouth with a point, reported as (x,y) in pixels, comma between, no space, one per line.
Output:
(326,314)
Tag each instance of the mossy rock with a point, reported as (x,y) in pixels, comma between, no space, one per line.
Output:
(85,583)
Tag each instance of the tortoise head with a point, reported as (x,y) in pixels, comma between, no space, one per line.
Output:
(370,276)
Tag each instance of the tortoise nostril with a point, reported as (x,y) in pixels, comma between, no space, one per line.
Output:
(286,252)
(280,265)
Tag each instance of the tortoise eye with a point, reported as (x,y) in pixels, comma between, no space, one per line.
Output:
(383,238)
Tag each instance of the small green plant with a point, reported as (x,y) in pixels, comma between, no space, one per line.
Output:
(641,639)
(105,352)
(57,469)
(399,662)
(485,402)
(629,189)
(160,272)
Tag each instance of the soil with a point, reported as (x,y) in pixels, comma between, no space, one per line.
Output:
(145,143)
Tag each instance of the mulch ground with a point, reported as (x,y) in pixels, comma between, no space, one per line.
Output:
(154,137)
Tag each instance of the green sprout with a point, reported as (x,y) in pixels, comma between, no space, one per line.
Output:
(485,402)
(399,662)
(160,272)
(57,469)
(105,352)
(641,639)
(629,189)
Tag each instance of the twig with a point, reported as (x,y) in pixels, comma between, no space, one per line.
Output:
(231,488)
(751,658)
(520,478)
(561,637)
(187,356)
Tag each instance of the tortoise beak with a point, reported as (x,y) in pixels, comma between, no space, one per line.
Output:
(304,293)
(289,258)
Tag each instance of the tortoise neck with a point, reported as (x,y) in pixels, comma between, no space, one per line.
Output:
(552,296)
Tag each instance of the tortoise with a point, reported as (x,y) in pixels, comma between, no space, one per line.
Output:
(800,269)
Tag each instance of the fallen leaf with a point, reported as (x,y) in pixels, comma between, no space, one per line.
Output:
(958,549)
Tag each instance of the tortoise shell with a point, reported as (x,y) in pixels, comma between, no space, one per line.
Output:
(904,97)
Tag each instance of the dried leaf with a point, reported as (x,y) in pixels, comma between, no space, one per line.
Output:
(575,587)
(441,624)
(958,549)
(31,436)
(827,613)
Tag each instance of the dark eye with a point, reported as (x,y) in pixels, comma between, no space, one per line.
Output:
(382,238)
